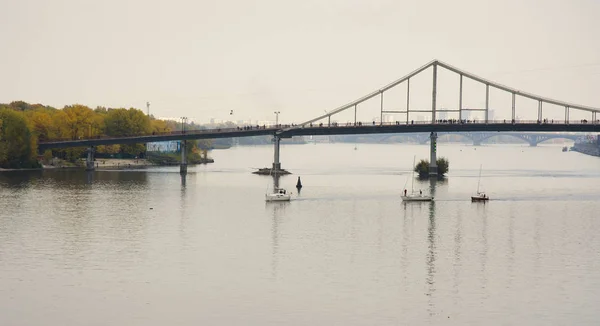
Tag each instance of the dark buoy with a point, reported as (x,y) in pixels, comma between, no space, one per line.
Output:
(299,184)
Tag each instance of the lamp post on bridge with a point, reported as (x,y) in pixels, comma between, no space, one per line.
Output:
(183,121)
(277,118)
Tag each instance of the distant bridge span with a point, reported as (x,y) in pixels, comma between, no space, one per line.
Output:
(363,128)
(479,137)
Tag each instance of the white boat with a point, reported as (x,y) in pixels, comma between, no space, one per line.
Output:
(279,194)
(480,196)
(415,196)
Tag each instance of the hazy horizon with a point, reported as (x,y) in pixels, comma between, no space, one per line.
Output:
(202,59)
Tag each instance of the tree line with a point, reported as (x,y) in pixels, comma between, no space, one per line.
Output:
(24,125)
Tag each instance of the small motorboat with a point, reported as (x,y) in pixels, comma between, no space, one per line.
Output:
(480,197)
(278,195)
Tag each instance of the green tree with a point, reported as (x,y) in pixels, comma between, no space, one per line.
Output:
(422,168)
(78,121)
(19,146)
(123,122)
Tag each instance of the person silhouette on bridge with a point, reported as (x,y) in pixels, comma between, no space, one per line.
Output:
(404,192)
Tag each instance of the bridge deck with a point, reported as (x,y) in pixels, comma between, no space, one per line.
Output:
(287,131)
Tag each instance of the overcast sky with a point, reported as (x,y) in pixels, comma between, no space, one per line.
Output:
(202,59)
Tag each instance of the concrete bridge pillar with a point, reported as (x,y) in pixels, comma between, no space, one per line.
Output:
(276,164)
(89,161)
(433,171)
(183,164)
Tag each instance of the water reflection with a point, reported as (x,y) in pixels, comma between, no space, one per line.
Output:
(457,250)
(511,246)
(66,178)
(19,179)
(431,257)
(278,211)
(482,211)
(89,177)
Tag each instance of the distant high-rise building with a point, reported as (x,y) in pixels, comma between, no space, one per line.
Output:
(491,115)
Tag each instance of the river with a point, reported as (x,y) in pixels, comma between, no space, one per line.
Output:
(141,248)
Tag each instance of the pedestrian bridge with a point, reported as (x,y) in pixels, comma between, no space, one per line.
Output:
(322,125)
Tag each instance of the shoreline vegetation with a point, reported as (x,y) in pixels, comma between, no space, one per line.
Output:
(24,125)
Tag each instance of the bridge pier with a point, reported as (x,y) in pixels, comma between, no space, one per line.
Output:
(183,164)
(276,169)
(433,170)
(89,161)
(276,163)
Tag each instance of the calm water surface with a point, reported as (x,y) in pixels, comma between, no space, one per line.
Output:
(140,248)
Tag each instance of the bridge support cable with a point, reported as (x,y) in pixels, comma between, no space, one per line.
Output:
(433,171)
(594,118)
(566,115)
(513,108)
(460,89)
(540,116)
(435,64)
(89,160)
(434,93)
(381,111)
(183,164)
(407,99)
(487,102)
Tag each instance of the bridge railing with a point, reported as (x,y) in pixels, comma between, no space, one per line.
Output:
(448,121)
(186,132)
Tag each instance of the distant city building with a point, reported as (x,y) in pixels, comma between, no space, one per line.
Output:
(491,115)
(164,147)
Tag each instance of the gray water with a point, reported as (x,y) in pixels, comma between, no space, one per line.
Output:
(140,248)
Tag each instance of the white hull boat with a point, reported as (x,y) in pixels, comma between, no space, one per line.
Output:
(481,196)
(279,195)
(414,196)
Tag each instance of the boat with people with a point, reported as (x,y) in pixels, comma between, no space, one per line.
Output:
(279,194)
(414,197)
(480,196)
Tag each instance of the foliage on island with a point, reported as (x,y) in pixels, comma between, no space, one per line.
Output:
(422,168)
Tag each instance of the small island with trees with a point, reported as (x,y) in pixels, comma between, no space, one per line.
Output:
(422,168)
